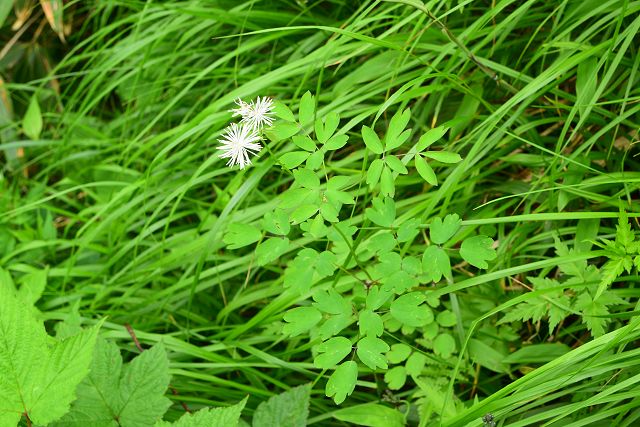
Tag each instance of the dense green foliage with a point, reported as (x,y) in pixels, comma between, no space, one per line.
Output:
(440,228)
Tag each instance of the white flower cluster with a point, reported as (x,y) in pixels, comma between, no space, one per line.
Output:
(241,139)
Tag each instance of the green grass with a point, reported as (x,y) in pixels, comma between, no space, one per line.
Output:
(124,199)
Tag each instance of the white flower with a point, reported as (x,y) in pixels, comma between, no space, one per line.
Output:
(255,114)
(242,110)
(238,141)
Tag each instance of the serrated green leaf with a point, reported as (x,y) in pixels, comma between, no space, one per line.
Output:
(129,396)
(271,249)
(370,323)
(290,409)
(409,310)
(441,231)
(293,159)
(306,111)
(240,235)
(32,122)
(300,320)
(371,140)
(371,352)
(425,171)
(38,375)
(207,417)
(342,382)
(478,250)
(331,352)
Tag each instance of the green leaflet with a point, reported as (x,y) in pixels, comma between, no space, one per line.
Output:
(342,382)
(132,394)
(39,375)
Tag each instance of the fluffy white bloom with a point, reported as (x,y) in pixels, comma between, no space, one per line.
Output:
(256,114)
(242,110)
(238,141)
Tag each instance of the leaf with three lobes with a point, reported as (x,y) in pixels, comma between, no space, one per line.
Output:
(228,417)
(441,231)
(38,375)
(300,319)
(383,212)
(436,263)
(121,396)
(342,382)
(478,250)
(370,351)
(239,235)
(331,352)
(409,310)
(370,323)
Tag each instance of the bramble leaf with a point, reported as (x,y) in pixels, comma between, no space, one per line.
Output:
(129,396)
(228,417)
(290,408)
(38,374)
